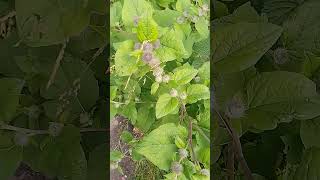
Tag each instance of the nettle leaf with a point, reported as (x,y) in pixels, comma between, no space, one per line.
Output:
(115,13)
(135,8)
(166,104)
(130,111)
(154,87)
(166,17)
(63,156)
(197,92)
(279,96)
(147,30)
(97,163)
(278,10)
(309,132)
(171,47)
(160,143)
(125,63)
(43,23)
(9,94)
(184,74)
(202,26)
(309,167)
(10,155)
(145,118)
(234,49)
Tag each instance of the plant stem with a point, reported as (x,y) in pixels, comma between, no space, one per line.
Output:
(237,147)
(190,143)
(40,132)
(201,132)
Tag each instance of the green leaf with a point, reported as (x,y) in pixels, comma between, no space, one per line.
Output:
(130,112)
(196,92)
(135,8)
(309,167)
(171,48)
(113,92)
(125,63)
(166,17)
(115,13)
(10,89)
(147,30)
(240,56)
(184,75)
(310,130)
(202,27)
(10,155)
(97,163)
(145,118)
(126,136)
(160,143)
(154,87)
(43,22)
(183,5)
(279,96)
(166,105)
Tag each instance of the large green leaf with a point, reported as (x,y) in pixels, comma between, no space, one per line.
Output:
(43,23)
(309,132)
(197,92)
(171,48)
(166,105)
(10,156)
(234,49)
(135,8)
(279,96)
(97,163)
(125,63)
(158,146)
(10,89)
(184,74)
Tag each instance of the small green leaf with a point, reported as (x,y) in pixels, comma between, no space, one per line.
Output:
(147,30)
(154,87)
(196,92)
(184,75)
(116,156)
(126,136)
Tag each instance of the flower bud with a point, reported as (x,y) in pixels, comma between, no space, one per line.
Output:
(183,153)
(173,93)
(154,62)
(205,7)
(55,128)
(147,47)
(201,12)
(280,56)
(205,172)
(147,56)
(176,167)
(180,20)
(197,79)
(194,18)
(157,71)
(186,14)
(137,46)
(21,139)
(235,108)
(159,79)
(183,96)
(166,78)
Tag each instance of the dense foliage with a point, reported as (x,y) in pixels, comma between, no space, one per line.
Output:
(53,88)
(266,62)
(160,81)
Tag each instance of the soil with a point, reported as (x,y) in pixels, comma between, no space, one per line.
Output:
(117,126)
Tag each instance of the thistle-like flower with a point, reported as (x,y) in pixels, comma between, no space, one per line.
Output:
(173,93)
(147,47)
(21,139)
(235,108)
(205,172)
(159,79)
(280,56)
(158,71)
(147,56)
(154,62)
(183,96)
(166,78)
(156,44)
(176,167)
(183,153)
(180,20)
(137,46)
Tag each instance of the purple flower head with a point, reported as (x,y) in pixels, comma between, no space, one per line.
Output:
(154,63)
(147,47)
(137,46)
(147,56)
